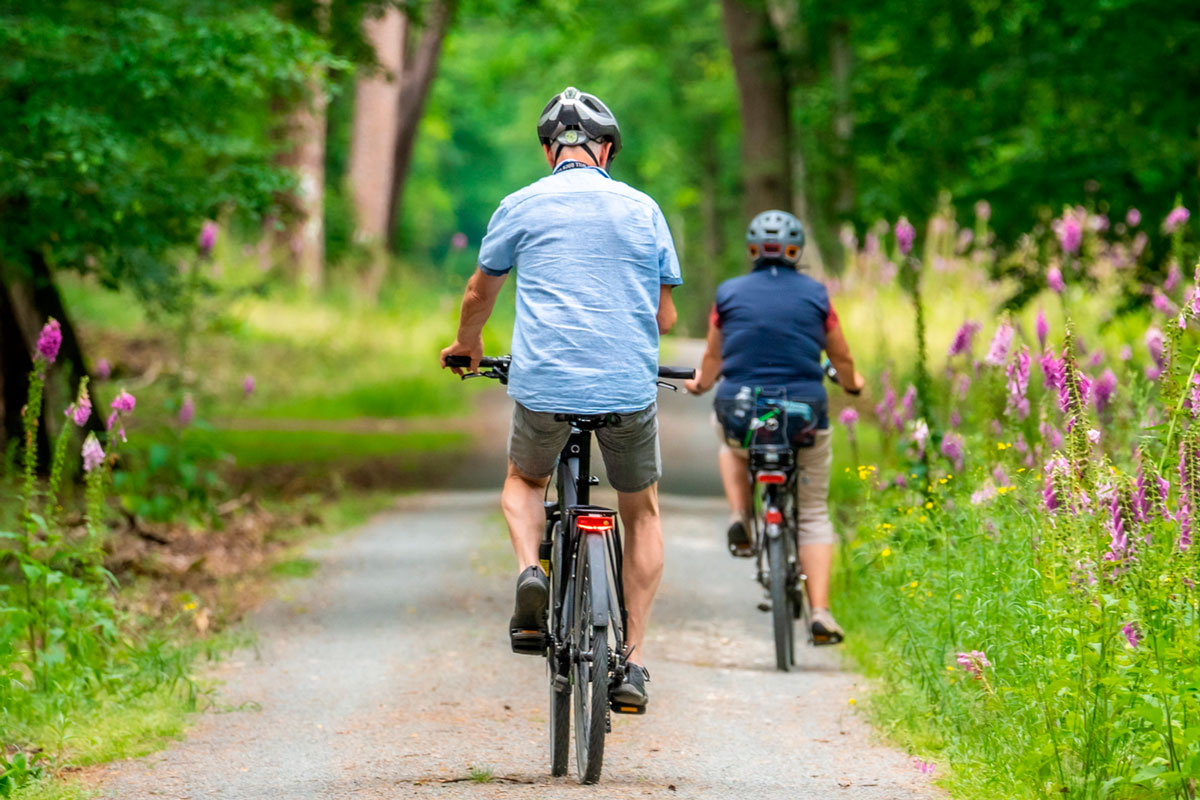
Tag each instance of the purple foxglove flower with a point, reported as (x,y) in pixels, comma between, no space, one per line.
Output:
(1161,304)
(187,410)
(962,385)
(998,350)
(983,210)
(103,369)
(1069,232)
(920,434)
(905,235)
(871,244)
(1000,476)
(848,417)
(984,494)
(1178,216)
(1042,327)
(1102,390)
(1054,279)
(1133,218)
(952,448)
(1050,435)
(900,480)
(1052,370)
(49,341)
(996,427)
(208,237)
(1174,277)
(1126,352)
(458,241)
(1154,343)
(1132,634)
(1093,436)
(124,402)
(963,338)
(248,385)
(955,418)
(93,454)
(81,409)
(973,662)
(1018,383)
(908,402)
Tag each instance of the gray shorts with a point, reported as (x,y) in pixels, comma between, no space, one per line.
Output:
(630,450)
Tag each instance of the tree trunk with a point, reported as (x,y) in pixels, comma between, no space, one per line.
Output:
(376,121)
(418,74)
(763,91)
(841,64)
(304,236)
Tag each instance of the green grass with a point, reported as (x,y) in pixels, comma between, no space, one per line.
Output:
(254,448)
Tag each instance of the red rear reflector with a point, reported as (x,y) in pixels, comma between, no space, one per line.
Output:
(772,477)
(593,524)
(774,517)
(772,248)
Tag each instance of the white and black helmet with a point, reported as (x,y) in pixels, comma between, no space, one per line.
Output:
(775,235)
(573,118)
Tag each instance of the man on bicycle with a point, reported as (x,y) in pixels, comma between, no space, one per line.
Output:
(595,269)
(767,331)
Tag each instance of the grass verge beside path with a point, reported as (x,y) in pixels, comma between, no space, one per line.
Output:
(142,711)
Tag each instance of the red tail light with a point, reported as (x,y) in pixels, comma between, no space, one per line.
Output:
(774,516)
(772,477)
(594,524)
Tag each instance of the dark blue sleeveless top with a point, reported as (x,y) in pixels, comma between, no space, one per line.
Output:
(773,323)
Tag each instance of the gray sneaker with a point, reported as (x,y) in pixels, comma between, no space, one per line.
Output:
(632,692)
(825,629)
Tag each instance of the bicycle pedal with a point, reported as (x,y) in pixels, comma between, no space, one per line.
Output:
(528,643)
(625,708)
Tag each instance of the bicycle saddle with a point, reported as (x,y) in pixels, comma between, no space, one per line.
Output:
(590,422)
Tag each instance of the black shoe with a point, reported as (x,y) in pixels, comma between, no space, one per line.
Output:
(632,692)
(527,628)
(739,540)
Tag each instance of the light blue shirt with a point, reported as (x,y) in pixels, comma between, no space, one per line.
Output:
(590,254)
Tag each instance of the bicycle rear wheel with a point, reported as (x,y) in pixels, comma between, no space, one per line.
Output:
(590,670)
(782,612)
(560,687)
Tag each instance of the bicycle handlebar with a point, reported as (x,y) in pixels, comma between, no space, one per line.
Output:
(503,362)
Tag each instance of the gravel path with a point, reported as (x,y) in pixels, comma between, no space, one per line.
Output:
(388,675)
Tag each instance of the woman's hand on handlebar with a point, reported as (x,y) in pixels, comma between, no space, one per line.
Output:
(693,386)
(473,350)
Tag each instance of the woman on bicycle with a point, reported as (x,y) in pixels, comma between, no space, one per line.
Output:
(767,331)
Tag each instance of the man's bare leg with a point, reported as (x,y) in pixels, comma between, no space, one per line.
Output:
(736,481)
(521,501)
(643,564)
(817,562)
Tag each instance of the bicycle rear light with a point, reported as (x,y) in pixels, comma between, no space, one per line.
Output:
(774,516)
(771,477)
(593,523)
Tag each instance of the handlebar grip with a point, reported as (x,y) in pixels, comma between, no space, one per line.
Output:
(677,373)
(464,362)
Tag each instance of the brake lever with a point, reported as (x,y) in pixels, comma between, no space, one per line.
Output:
(466,375)
(666,385)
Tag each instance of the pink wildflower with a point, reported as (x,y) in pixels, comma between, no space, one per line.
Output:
(1174,277)
(984,494)
(1018,384)
(974,662)
(1133,218)
(1126,352)
(1069,232)
(1000,476)
(93,454)
(905,235)
(49,341)
(81,409)
(1132,634)
(983,210)
(952,448)
(955,418)
(248,385)
(208,237)
(1042,327)
(848,417)
(1052,370)
(908,402)
(458,241)
(998,350)
(962,339)
(187,410)
(924,767)
(1102,390)
(1161,304)
(1054,279)
(103,369)
(1178,216)
(1154,343)
(124,402)
(920,434)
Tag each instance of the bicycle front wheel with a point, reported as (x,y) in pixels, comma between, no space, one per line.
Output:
(590,671)
(782,612)
(560,689)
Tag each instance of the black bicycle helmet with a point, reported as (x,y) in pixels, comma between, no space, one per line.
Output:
(775,235)
(573,118)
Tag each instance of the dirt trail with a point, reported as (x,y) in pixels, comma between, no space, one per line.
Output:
(389,676)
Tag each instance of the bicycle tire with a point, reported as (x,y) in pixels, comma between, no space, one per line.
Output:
(781,605)
(590,678)
(560,696)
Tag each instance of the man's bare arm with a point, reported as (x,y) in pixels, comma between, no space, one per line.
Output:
(666,309)
(478,301)
(839,355)
(710,364)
